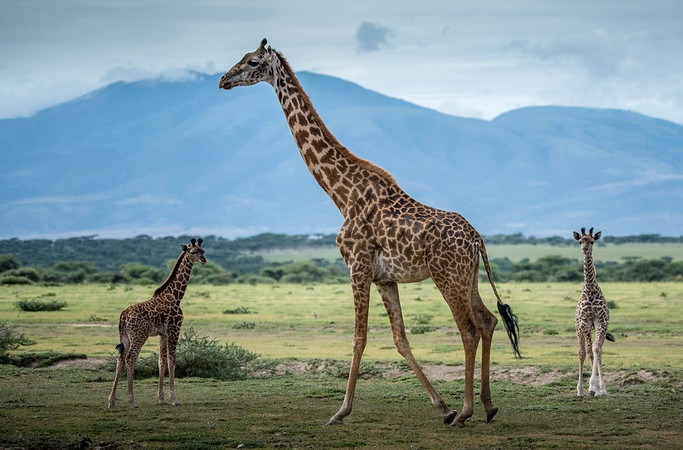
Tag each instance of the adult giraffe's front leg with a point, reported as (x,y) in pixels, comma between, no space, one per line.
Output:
(361,299)
(390,297)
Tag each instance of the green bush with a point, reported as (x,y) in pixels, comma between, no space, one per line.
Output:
(421,329)
(40,305)
(8,262)
(13,280)
(10,339)
(201,357)
(239,310)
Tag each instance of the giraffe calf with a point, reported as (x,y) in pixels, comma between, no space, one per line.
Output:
(591,312)
(160,316)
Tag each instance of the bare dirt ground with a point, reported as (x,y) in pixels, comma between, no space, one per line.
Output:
(529,375)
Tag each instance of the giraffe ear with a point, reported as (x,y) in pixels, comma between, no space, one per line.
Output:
(577,236)
(597,235)
(184,247)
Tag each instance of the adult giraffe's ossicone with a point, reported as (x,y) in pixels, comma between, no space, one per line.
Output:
(387,238)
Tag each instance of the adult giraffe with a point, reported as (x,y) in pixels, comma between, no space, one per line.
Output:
(387,238)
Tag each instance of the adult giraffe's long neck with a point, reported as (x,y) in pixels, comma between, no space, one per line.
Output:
(332,165)
(176,283)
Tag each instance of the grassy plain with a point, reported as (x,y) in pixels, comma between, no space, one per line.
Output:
(309,327)
(603,252)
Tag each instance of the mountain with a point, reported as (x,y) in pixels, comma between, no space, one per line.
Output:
(161,157)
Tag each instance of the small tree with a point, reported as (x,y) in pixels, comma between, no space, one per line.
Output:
(10,339)
(8,262)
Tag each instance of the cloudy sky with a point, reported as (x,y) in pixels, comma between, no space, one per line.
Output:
(473,59)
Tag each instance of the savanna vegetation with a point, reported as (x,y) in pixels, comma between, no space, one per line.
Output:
(275,258)
(295,353)
(263,359)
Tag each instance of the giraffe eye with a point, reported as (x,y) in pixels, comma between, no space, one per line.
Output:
(254,62)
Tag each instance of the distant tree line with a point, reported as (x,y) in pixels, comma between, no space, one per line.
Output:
(519,238)
(558,268)
(147,260)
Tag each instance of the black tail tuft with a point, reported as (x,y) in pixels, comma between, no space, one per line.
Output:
(609,337)
(120,348)
(511,326)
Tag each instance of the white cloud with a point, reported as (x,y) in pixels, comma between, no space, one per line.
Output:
(457,57)
(147,199)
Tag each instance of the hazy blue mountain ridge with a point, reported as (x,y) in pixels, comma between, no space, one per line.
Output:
(168,157)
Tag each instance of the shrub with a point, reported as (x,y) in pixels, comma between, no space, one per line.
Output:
(13,280)
(422,319)
(10,339)
(201,357)
(8,262)
(421,329)
(239,310)
(40,305)
(244,326)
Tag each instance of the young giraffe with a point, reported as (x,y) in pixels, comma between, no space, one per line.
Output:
(387,238)
(591,312)
(160,315)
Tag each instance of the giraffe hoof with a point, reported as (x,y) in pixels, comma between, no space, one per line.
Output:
(334,421)
(592,393)
(448,419)
(491,414)
(457,424)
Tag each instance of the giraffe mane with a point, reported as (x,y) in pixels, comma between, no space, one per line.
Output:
(362,163)
(171,275)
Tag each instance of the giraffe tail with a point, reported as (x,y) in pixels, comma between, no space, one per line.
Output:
(509,318)
(609,337)
(120,347)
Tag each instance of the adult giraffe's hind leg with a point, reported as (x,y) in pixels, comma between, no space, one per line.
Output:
(487,321)
(457,296)
(390,297)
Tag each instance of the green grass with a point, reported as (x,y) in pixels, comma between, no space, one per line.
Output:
(67,406)
(607,252)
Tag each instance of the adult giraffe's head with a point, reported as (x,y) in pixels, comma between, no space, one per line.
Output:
(195,251)
(587,239)
(253,68)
